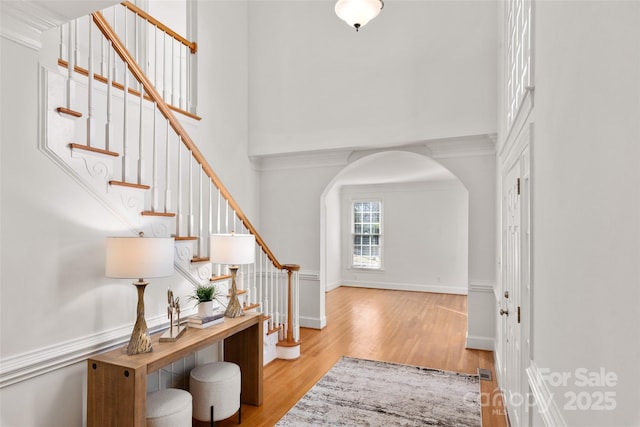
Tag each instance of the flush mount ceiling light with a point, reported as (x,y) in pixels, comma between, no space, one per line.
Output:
(357,13)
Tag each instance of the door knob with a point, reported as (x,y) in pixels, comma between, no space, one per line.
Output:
(503,312)
(506,294)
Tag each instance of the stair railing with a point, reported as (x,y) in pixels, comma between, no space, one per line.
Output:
(164,55)
(185,181)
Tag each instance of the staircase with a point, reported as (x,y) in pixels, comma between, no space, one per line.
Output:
(123,131)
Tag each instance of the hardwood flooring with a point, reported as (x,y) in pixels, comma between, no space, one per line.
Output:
(412,328)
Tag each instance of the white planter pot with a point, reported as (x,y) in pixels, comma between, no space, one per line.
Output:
(205,309)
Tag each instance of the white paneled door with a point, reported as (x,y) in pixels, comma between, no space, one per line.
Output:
(515,305)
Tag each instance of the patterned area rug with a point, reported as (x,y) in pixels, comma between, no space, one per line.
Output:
(357,392)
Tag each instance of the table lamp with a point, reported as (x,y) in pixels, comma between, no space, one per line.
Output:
(139,257)
(233,250)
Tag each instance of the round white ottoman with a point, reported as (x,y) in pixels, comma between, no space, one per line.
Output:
(170,407)
(215,388)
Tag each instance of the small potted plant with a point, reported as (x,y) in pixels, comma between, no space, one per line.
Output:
(206,297)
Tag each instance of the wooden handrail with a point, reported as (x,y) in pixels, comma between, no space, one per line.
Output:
(193,46)
(163,107)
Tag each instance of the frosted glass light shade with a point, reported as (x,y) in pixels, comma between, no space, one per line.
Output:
(232,249)
(139,257)
(357,13)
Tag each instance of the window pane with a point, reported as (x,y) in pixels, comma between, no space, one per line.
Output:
(366,239)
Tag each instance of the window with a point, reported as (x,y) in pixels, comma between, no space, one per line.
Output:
(367,234)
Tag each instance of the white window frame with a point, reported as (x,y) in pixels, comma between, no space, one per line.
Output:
(352,242)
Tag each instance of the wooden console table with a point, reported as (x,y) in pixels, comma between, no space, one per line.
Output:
(117,383)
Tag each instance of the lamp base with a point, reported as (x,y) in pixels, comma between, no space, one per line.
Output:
(140,341)
(234,309)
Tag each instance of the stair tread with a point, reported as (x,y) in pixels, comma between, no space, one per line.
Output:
(152,213)
(200,259)
(68,112)
(250,307)
(274,330)
(285,343)
(185,238)
(130,185)
(238,292)
(75,146)
(218,278)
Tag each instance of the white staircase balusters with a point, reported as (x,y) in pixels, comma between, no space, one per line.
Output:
(155,187)
(90,89)
(103,53)
(190,231)
(125,108)
(180,211)
(140,139)
(111,71)
(199,232)
(61,31)
(180,78)
(173,73)
(70,63)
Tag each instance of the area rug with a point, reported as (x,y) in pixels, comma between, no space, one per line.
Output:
(358,392)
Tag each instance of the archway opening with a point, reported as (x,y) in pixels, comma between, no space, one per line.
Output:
(424,241)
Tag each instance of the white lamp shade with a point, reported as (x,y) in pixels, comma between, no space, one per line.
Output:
(232,249)
(139,257)
(358,11)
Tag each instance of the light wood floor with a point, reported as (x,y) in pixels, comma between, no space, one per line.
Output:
(412,328)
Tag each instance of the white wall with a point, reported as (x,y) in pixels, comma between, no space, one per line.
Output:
(586,204)
(420,70)
(424,236)
(223,99)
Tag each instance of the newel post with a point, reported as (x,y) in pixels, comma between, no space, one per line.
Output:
(291,268)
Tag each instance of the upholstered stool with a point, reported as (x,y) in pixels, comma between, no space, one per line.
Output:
(215,388)
(170,407)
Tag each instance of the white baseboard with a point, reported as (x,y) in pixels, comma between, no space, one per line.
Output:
(547,408)
(332,286)
(498,366)
(456,290)
(313,322)
(480,343)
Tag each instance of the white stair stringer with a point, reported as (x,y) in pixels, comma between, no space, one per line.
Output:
(93,172)
(90,170)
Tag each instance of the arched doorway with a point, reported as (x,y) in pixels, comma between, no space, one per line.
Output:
(425,224)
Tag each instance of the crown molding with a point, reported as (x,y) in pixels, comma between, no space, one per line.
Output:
(23,21)
(304,160)
(466,146)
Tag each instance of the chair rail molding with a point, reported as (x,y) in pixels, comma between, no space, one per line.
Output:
(33,363)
